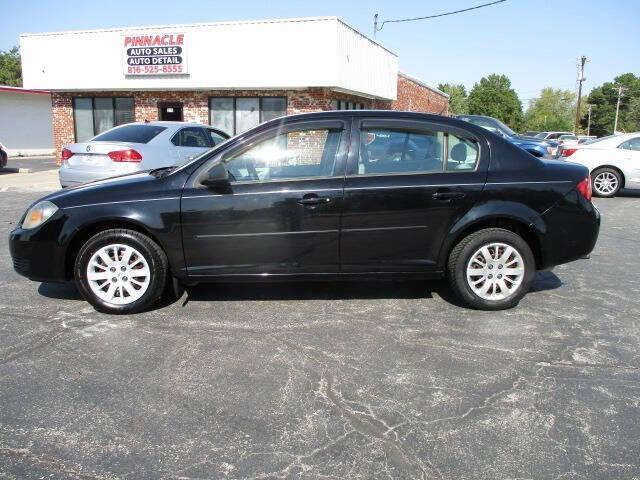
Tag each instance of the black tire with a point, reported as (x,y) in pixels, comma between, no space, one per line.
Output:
(465,249)
(606,171)
(152,253)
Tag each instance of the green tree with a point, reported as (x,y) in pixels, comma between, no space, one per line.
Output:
(604,99)
(552,110)
(457,97)
(493,96)
(10,68)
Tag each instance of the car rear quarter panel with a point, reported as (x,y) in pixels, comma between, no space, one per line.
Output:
(519,190)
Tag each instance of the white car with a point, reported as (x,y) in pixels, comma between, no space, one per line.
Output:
(135,147)
(614,162)
(568,140)
(551,135)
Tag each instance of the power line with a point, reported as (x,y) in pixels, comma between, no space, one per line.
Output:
(375,21)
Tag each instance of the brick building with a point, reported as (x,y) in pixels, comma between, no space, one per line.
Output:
(230,75)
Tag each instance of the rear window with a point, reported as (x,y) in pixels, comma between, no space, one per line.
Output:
(130,134)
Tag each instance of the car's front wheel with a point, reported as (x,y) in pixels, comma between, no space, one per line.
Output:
(121,271)
(606,182)
(491,269)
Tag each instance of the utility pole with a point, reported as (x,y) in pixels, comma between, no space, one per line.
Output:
(375,25)
(580,80)
(589,121)
(620,89)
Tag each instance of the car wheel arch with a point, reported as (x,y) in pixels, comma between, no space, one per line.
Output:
(612,167)
(88,230)
(529,231)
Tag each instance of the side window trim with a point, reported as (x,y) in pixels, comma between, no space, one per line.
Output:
(409,125)
(175,139)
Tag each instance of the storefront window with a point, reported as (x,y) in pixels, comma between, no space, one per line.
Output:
(247,113)
(221,114)
(103,114)
(343,105)
(93,116)
(83,118)
(237,114)
(273,107)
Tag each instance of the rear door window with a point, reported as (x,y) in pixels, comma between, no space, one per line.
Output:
(397,151)
(191,137)
(131,134)
(632,144)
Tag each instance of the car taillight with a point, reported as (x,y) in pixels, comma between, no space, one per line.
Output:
(130,156)
(584,187)
(66,154)
(567,152)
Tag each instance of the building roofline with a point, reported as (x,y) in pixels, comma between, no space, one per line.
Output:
(422,84)
(208,24)
(7,88)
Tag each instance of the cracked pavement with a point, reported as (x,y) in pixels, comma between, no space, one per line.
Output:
(358,381)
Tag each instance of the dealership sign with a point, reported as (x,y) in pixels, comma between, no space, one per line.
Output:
(154,54)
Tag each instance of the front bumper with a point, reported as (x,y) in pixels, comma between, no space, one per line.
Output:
(37,255)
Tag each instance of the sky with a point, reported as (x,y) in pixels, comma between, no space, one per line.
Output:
(535,43)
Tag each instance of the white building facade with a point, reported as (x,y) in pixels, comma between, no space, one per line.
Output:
(232,75)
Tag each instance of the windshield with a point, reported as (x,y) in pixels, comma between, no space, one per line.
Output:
(541,135)
(133,133)
(504,128)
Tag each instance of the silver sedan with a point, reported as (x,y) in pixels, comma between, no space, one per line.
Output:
(135,147)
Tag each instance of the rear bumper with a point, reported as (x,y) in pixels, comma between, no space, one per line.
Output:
(70,177)
(573,226)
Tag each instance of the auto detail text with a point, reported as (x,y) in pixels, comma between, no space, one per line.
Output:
(154,54)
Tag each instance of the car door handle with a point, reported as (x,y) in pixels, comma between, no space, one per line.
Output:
(447,195)
(311,201)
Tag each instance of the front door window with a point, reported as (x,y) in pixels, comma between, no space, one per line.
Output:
(293,155)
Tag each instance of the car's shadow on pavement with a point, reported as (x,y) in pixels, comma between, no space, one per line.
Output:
(281,291)
(629,193)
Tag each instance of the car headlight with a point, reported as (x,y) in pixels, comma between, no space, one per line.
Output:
(38,214)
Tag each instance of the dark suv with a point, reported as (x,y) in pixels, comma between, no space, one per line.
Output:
(332,195)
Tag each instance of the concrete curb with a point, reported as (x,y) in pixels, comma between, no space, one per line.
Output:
(16,170)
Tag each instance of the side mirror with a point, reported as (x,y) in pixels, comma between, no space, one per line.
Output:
(217,177)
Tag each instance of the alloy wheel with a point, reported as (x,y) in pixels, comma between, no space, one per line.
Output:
(118,274)
(495,271)
(605,183)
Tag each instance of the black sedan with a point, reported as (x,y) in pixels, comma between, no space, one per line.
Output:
(322,196)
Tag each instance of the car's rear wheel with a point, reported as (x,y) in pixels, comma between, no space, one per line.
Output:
(121,271)
(491,269)
(606,182)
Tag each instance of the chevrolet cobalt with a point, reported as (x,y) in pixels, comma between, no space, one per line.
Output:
(320,196)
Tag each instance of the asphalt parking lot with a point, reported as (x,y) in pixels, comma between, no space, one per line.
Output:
(357,381)
(35,164)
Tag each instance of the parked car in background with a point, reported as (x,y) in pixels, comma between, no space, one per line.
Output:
(529,133)
(318,196)
(552,135)
(586,138)
(536,147)
(3,156)
(134,147)
(614,162)
(568,140)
